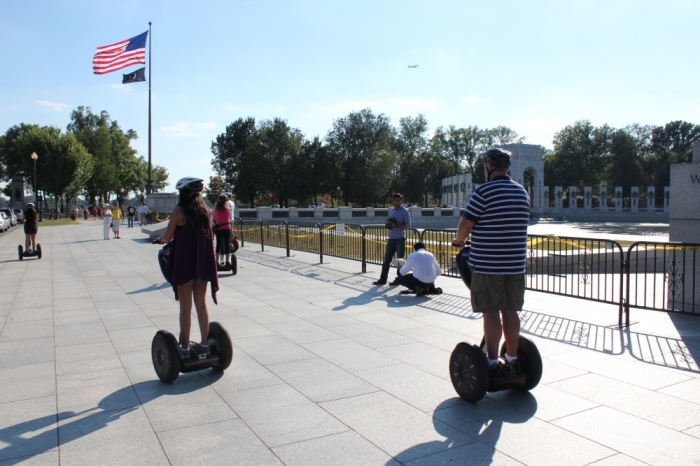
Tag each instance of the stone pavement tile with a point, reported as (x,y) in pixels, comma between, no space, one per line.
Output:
(114,322)
(344,449)
(86,358)
(618,460)
(243,327)
(300,331)
(280,415)
(371,336)
(139,366)
(411,385)
(160,309)
(27,427)
(70,335)
(439,337)
(158,296)
(328,319)
(73,305)
(31,300)
(388,321)
(133,339)
(688,390)
(555,371)
(17,353)
(452,322)
(243,374)
(518,434)
(402,431)
(473,454)
(245,302)
(320,380)
(42,459)
(694,431)
(294,306)
(272,349)
(653,406)
(187,401)
(350,355)
(105,390)
(30,314)
(425,357)
(27,381)
(394,306)
(227,442)
(27,330)
(330,302)
(545,402)
(121,436)
(79,317)
(636,373)
(119,305)
(635,437)
(265,314)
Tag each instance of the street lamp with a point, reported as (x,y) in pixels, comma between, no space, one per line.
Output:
(36,194)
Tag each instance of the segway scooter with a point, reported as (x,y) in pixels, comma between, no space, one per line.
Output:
(168,361)
(28,253)
(469,367)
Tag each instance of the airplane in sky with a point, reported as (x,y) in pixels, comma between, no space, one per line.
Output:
(413,66)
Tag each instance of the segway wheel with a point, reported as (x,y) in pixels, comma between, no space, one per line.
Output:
(38,251)
(166,359)
(220,337)
(530,361)
(20,250)
(469,372)
(234,264)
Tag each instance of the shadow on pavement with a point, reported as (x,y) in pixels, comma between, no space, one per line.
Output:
(482,421)
(162,286)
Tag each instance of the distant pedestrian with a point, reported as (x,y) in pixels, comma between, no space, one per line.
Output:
(143,214)
(85,212)
(94,213)
(31,228)
(130,212)
(116,219)
(106,220)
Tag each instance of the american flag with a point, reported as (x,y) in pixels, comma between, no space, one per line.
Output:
(120,55)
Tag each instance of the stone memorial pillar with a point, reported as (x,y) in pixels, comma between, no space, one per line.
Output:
(545,197)
(587,198)
(603,198)
(651,199)
(667,199)
(618,198)
(17,198)
(558,194)
(573,197)
(634,199)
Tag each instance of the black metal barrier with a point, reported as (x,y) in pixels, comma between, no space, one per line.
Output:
(656,276)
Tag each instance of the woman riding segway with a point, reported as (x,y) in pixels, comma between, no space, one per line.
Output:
(31,228)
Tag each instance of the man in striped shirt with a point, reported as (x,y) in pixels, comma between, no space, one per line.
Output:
(497,218)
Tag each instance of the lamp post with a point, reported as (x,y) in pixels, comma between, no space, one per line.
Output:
(34,157)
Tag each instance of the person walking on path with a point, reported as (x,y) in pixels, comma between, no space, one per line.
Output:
(85,213)
(130,212)
(497,217)
(116,219)
(399,220)
(31,227)
(94,213)
(222,220)
(192,261)
(106,220)
(143,214)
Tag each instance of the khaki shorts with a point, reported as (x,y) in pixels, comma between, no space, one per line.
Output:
(492,293)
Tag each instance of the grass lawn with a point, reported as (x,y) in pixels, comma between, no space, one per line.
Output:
(57,222)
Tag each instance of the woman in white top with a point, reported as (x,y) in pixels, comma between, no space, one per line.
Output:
(106,220)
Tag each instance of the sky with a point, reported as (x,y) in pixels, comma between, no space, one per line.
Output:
(535,66)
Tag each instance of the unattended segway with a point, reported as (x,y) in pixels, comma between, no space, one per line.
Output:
(29,253)
(469,367)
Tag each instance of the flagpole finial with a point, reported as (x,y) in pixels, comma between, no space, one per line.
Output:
(149,23)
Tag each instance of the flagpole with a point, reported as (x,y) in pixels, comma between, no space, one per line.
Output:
(149,183)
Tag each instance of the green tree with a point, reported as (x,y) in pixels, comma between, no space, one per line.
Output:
(281,146)
(623,164)
(214,188)
(14,158)
(579,154)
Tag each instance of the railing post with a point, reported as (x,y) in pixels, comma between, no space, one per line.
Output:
(364,251)
(262,236)
(242,237)
(286,225)
(320,241)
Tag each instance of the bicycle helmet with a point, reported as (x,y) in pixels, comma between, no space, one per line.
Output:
(30,205)
(222,198)
(498,158)
(191,184)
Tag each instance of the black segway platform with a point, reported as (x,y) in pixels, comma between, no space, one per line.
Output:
(168,363)
(233,268)
(22,253)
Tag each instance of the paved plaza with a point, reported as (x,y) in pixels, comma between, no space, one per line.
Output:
(327,369)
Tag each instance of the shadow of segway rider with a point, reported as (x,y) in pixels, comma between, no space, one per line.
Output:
(497,218)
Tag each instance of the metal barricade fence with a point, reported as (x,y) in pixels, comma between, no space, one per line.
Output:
(275,233)
(663,276)
(304,236)
(248,229)
(346,241)
(439,242)
(376,238)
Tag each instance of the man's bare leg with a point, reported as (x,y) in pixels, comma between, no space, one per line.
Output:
(511,331)
(492,333)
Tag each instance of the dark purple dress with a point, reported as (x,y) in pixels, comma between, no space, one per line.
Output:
(192,258)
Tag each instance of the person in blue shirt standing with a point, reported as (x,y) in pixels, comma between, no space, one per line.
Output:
(497,217)
(399,220)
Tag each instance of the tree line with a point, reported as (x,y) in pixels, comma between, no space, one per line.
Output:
(92,158)
(362,160)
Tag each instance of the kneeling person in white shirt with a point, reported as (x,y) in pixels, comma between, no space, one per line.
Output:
(425,270)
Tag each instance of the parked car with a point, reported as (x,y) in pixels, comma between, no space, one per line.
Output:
(317,204)
(10,215)
(5,221)
(20,215)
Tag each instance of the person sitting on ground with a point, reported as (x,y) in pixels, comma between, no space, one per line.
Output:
(425,270)
(31,227)
(192,263)
(222,219)
(116,220)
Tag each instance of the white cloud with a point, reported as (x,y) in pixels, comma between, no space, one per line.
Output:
(472,99)
(179,129)
(416,104)
(53,105)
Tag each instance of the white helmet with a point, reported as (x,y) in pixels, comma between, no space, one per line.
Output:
(190,183)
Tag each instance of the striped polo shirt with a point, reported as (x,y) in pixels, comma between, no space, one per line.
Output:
(500,210)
